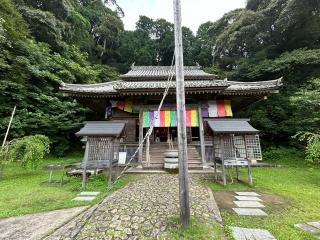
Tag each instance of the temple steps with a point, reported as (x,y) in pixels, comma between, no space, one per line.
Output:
(157,156)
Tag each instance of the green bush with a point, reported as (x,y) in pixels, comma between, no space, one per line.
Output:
(313,153)
(313,146)
(283,155)
(30,151)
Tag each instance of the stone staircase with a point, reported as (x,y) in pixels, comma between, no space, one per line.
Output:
(157,156)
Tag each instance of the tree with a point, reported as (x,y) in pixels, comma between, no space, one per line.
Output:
(152,43)
(31,73)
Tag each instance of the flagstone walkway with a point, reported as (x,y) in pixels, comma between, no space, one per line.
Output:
(36,226)
(311,227)
(140,210)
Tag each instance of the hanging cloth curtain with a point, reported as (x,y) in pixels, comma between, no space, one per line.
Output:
(219,108)
(168,118)
(213,110)
(227,105)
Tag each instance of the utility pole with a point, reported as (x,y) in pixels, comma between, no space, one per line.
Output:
(181,119)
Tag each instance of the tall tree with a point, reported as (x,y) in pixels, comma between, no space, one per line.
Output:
(31,72)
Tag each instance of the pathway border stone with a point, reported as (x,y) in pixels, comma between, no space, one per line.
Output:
(89,193)
(251,234)
(252,194)
(141,210)
(36,226)
(311,227)
(249,212)
(248,198)
(249,204)
(84,198)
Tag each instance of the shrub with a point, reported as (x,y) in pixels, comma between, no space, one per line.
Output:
(313,146)
(30,150)
(313,153)
(283,155)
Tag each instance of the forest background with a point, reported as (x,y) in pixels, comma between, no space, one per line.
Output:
(43,43)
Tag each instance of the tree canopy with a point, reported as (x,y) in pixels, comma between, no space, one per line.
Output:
(43,43)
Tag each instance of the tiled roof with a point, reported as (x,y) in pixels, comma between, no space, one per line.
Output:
(231,126)
(247,86)
(111,129)
(100,88)
(144,80)
(163,72)
(163,84)
(118,87)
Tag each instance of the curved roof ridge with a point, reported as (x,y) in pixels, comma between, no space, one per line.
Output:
(134,68)
(277,82)
(63,84)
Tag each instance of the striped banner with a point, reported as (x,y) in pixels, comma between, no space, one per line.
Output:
(169,118)
(194,118)
(219,108)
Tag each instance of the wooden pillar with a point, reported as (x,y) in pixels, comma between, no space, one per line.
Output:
(148,151)
(202,142)
(222,160)
(249,162)
(85,162)
(181,119)
(214,160)
(140,135)
(111,157)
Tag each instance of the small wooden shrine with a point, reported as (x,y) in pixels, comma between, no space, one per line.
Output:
(102,147)
(135,99)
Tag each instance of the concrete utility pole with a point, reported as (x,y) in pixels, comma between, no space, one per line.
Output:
(181,119)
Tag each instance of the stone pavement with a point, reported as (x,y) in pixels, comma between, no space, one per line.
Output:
(249,204)
(251,234)
(140,210)
(311,227)
(36,226)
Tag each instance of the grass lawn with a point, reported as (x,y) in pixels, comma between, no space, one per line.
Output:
(296,183)
(21,192)
(197,230)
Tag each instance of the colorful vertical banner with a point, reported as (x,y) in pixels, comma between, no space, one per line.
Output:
(205,112)
(194,118)
(162,118)
(146,119)
(221,108)
(127,105)
(173,118)
(227,105)
(157,119)
(120,105)
(169,118)
(213,110)
(188,118)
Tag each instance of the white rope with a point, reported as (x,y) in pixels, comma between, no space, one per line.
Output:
(150,131)
(148,134)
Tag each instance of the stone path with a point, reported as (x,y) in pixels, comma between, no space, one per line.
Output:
(86,196)
(311,227)
(249,204)
(140,210)
(251,234)
(36,226)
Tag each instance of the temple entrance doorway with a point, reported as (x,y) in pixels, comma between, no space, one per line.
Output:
(165,134)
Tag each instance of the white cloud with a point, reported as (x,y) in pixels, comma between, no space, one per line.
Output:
(194,13)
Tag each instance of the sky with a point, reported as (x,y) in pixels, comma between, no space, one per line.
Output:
(194,12)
